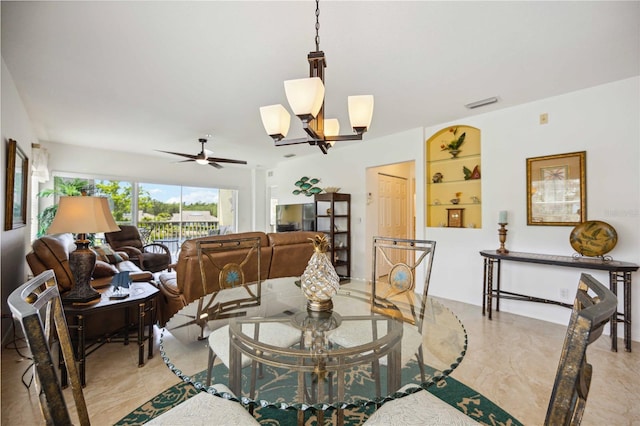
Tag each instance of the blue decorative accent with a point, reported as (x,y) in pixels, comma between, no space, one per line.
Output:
(401,279)
(232,278)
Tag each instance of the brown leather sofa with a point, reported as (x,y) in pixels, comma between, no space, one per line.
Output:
(282,254)
(52,252)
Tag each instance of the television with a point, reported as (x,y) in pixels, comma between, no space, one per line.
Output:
(295,217)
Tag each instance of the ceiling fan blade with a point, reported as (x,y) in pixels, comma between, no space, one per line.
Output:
(212,161)
(193,157)
(225,160)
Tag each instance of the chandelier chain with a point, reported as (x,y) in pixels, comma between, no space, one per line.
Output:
(317,25)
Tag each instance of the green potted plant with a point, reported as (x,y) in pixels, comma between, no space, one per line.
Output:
(454,146)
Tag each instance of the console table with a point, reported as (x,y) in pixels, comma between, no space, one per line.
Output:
(619,272)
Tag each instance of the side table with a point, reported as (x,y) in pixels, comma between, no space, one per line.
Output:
(619,273)
(141,295)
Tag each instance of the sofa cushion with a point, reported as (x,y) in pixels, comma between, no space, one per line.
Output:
(52,252)
(106,254)
(104,269)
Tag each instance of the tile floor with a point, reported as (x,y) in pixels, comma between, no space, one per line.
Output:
(511,360)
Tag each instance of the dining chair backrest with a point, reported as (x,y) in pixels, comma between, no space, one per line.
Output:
(573,377)
(36,304)
(593,307)
(397,265)
(234,267)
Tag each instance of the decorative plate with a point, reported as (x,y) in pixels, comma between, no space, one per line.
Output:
(593,238)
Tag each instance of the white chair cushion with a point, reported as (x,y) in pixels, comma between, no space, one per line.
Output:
(276,334)
(418,409)
(206,409)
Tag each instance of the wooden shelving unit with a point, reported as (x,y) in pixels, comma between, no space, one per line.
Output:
(333,217)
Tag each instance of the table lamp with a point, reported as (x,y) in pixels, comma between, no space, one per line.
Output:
(82,215)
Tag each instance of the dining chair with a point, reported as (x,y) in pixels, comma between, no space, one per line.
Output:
(593,307)
(231,267)
(36,304)
(398,265)
(224,265)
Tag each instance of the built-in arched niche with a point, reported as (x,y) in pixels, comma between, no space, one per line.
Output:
(453,187)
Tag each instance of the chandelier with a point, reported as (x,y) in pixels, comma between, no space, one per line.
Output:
(306,98)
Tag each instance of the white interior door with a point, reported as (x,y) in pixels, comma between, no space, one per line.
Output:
(392,213)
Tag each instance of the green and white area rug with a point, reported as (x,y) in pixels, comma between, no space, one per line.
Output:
(449,390)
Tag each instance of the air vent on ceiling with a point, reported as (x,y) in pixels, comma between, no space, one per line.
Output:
(481,103)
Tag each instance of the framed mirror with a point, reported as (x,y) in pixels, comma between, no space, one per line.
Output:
(556,189)
(15,214)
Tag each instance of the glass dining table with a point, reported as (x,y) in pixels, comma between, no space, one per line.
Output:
(349,357)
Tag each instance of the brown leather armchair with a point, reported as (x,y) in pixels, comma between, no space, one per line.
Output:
(153,257)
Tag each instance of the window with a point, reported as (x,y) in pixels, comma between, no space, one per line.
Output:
(165,213)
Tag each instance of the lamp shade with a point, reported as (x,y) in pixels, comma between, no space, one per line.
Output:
(83,215)
(360,111)
(275,119)
(305,95)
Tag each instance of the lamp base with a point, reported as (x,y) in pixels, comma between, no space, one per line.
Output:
(81,295)
(82,261)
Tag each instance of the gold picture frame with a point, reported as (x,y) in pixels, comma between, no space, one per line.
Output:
(15,213)
(556,189)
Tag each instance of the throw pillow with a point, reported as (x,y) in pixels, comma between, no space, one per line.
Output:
(103,269)
(106,254)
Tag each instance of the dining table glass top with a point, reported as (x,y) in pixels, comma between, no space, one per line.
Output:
(297,358)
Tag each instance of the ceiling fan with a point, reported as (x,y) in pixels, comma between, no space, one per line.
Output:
(203,158)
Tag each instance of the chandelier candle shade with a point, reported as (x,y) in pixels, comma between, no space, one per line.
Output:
(82,215)
(306,99)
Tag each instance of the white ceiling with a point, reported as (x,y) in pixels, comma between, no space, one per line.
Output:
(145,76)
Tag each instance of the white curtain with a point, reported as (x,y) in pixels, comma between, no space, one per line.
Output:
(40,163)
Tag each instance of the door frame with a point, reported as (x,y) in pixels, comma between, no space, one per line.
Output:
(407,170)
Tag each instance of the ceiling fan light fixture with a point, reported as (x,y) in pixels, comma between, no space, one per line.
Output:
(360,112)
(276,120)
(204,158)
(305,96)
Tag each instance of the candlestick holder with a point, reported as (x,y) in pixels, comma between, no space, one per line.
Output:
(502,235)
